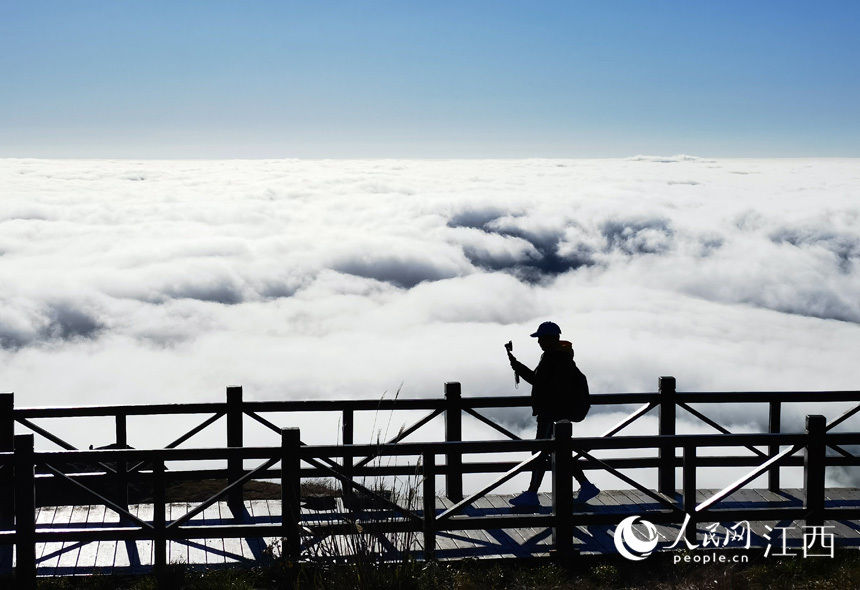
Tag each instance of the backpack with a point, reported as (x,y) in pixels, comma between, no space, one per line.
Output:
(577,399)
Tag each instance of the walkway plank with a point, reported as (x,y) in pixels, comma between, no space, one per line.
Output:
(89,552)
(214,546)
(61,519)
(44,516)
(107,556)
(197,552)
(106,552)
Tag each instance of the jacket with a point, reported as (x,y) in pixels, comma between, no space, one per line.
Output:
(548,380)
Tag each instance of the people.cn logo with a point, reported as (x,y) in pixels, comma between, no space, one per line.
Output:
(629,544)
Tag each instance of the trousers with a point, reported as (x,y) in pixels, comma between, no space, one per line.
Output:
(544,431)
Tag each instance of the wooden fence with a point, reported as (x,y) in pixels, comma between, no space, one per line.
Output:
(290,460)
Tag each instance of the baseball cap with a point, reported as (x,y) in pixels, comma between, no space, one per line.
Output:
(547,329)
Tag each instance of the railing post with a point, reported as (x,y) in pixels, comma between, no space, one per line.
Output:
(689,477)
(159,518)
(7,491)
(773,427)
(666,453)
(25,512)
(122,466)
(429,505)
(347,434)
(453,433)
(562,489)
(813,470)
(234,439)
(290,494)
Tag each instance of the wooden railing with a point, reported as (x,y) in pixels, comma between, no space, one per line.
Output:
(348,462)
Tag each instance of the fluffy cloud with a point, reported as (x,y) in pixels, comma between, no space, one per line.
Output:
(127,282)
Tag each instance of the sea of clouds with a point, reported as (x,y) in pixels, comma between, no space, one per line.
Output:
(165,281)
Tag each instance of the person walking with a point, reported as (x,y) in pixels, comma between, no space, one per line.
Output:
(549,403)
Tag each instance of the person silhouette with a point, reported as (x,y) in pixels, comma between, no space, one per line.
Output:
(548,405)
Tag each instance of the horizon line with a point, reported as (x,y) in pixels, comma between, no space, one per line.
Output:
(677,156)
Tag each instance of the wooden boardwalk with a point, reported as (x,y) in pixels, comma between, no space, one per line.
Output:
(123,557)
(115,537)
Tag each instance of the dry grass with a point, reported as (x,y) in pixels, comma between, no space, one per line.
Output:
(583,573)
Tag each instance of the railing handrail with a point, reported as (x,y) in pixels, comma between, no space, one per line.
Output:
(314,405)
(436,447)
(291,452)
(123,464)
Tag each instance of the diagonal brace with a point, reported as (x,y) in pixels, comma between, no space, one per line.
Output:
(710,422)
(401,436)
(348,481)
(58,441)
(842,451)
(201,507)
(61,550)
(732,487)
(632,482)
(843,417)
(110,504)
(263,421)
(183,438)
(644,409)
(491,424)
(490,487)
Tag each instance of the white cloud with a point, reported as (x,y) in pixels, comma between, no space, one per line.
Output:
(132,282)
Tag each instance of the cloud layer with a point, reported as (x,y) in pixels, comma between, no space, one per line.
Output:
(165,281)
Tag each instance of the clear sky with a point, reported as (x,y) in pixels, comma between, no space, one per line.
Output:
(214,79)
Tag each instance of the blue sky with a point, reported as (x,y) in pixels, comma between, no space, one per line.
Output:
(428,79)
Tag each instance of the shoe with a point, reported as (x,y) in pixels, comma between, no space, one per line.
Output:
(525,499)
(587,491)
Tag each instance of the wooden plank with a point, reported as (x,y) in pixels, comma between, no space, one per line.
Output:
(633,501)
(522,541)
(236,547)
(759,528)
(107,550)
(127,553)
(232,546)
(748,498)
(254,546)
(841,530)
(273,508)
(842,493)
(214,546)
(446,545)
(88,553)
(598,538)
(589,506)
(841,497)
(69,559)
(756,497)
(196,547)
(763,497)
(616,503)
(451,544)
(62,516)
(639,500)
(177,552)
(489,546)
(107,555)
(498,543)
(259,512)
(144,548)
(44,516)
(528,533)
